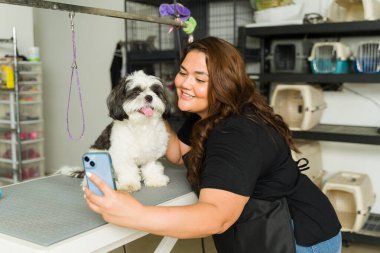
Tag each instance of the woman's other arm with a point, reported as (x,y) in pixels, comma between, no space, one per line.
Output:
(176,148)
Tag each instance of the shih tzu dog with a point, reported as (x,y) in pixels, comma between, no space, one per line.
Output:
(137,137)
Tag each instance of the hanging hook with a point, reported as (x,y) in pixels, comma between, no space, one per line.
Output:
(74,70)
(71,16)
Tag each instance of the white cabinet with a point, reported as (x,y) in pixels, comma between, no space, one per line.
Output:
(21,124)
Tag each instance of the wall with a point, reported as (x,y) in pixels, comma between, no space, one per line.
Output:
(96,38)
(22,19)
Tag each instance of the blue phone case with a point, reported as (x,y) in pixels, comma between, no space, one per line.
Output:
(99,163)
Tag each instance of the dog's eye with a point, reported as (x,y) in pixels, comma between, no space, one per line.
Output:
(137,89)
(133,92)
(157,89)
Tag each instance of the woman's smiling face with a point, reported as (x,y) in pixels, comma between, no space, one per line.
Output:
(192,84)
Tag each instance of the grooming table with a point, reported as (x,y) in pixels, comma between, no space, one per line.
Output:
(49,214)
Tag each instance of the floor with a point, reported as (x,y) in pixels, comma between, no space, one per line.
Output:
(148,244)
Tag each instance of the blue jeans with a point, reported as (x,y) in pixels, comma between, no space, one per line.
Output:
(332,245)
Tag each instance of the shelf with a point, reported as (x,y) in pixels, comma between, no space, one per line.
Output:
(357,28)
(6,102)
(29,73)
(320,78)
(6,89)
(22,142)
(8,161)
(20,62)
(25,122)
(29,122)
(32,92)
(29,83)
(159,55)
(369,234)
(338,133)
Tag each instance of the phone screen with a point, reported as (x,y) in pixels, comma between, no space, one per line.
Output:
(100,164)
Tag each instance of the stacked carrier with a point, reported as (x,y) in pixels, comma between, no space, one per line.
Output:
(352,196)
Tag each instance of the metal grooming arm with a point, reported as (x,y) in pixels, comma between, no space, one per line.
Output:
(92,10)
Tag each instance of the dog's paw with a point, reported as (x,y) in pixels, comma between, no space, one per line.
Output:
(128,186)
(157,181)
(70,171)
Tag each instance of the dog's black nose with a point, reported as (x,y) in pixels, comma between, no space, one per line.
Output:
(148,98)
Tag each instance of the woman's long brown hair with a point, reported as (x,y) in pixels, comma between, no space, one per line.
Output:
(229,90)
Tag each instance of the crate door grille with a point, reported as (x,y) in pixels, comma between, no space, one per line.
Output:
(325,59)
(368,58)
(285,57)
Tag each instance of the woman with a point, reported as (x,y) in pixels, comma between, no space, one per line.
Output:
(236,151)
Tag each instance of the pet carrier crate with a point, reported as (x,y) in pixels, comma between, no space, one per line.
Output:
(311,150)
(345,10)
(353,10)
(330,57)
(289,56)
(367,58)
(371,9)
(300,105)
(352,196)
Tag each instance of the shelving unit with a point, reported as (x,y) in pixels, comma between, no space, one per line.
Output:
(370,233)
(29,163)
(364,135)
(21,122)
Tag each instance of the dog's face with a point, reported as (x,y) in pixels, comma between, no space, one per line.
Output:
(138,96)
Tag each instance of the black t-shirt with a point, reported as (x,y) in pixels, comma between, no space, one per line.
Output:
(251,159)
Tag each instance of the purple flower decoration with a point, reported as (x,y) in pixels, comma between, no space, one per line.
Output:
(173,10)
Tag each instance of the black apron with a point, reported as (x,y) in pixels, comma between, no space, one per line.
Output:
(265,228)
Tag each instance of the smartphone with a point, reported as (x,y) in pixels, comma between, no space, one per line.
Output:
(100,164)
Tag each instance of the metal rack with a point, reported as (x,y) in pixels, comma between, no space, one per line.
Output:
(15,115)
(21,120)
(353,134)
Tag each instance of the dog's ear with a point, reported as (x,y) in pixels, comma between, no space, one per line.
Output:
(163,94)
(115,101)
(166,101)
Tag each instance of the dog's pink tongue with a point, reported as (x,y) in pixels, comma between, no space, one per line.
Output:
(147,111)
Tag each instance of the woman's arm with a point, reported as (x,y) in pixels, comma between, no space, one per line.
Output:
(215,212)
(176,148)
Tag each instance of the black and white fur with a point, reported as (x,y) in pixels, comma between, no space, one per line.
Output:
(137,136)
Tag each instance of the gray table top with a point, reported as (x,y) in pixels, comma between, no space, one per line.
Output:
(51,209)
